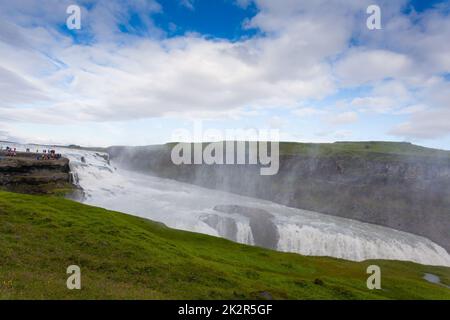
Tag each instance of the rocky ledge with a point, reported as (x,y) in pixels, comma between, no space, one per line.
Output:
(24,173)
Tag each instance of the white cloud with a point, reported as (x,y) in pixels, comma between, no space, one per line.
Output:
(430,122)
(389,97)
(412,109)
(276,122)
(425,125)
(151,78)
(342,134)
(422,36)
(304,55)
(243,3)
(344,118)
(374,104)
(307,112)
(188,4)
(363,66)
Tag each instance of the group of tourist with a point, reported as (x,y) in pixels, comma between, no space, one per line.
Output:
(50,155)
(10,152)
(46,155)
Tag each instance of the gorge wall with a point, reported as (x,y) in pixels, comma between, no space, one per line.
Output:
(408,193)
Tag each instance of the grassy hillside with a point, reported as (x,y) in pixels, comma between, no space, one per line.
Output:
(362,148)
(122,256)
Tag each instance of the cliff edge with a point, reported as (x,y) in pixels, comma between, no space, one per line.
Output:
(26,174)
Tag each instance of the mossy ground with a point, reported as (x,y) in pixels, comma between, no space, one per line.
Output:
(125,257)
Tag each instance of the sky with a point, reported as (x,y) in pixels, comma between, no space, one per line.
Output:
(138,71)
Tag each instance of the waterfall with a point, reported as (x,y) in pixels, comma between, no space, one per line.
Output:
(242,219)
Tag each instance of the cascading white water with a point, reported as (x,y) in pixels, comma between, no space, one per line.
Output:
(192,208)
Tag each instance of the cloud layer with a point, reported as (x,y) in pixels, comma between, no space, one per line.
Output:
(304,53)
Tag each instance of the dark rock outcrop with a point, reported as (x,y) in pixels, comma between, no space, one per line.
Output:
(226,227)
(24,173)
(264,231)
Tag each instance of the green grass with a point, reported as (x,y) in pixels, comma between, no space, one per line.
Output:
(125,257)
(362,149)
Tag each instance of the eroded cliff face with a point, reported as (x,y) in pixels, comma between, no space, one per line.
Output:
(24,173)
(411,194)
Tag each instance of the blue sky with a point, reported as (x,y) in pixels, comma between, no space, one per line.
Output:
(137,71)
(217,19)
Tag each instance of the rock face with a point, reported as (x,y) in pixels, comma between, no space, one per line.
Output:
(411,194)
(265,233)
(25,173)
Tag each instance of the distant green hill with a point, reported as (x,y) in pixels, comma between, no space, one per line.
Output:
(356,148)
(125,257)
(361,148)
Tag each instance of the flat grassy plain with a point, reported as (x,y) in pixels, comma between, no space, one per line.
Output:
(126,257)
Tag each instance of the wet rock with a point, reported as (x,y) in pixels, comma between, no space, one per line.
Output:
(265,233)
(226,227)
